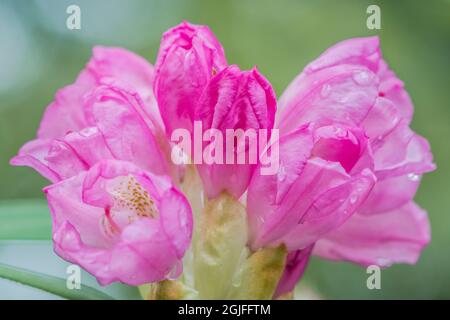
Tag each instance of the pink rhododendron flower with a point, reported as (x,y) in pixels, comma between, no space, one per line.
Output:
(193,83)
(108,113)
(350,164)
(349,167)
(238,100)
(120,223)
(313,191)
(295,266)
(189,56)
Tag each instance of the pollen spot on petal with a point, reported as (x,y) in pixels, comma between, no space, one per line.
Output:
(130,203)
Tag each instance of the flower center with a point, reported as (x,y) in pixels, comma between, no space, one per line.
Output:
(338,145)
(130,202)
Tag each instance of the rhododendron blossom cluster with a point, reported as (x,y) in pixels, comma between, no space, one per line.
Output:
(348,167)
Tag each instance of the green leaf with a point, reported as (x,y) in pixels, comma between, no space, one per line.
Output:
(38,256)
(54,285)
(25,220)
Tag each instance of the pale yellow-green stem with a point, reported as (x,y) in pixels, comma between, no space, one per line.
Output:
(167,290)
(219,265)
(260,274)
(220,247)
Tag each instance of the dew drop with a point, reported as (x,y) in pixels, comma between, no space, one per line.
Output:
(413,177)
(236,281)
(362,78)
(353,198)
(87,132)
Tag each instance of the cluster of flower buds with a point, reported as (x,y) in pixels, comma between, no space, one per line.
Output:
(347,169)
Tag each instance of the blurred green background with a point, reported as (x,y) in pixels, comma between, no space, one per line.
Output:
(38,55)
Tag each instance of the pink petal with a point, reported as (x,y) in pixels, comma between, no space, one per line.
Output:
(177,222)
(295,267)
(188,57)
(359,51)
(128,136)
(144,254)
(122,68)
(329,210)
(382,118)
(64,160)
(342,94)
(339,144)
(65,114)
(137,259)
(280,217)
(321,198)
(90,225)
(392,88)
(98,176)
(66,119)
(66,204)
(69,246)
(119,63)
(33,154)
(89,145)
(238,100)
(402,152)
(266,193)
(397,236)
(390,193)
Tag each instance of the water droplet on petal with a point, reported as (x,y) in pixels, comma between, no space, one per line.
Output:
(326,90)
(86,132)
(362,78)
(353,198)
(413,177)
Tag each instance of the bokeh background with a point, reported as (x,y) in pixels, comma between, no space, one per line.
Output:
(38,55)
